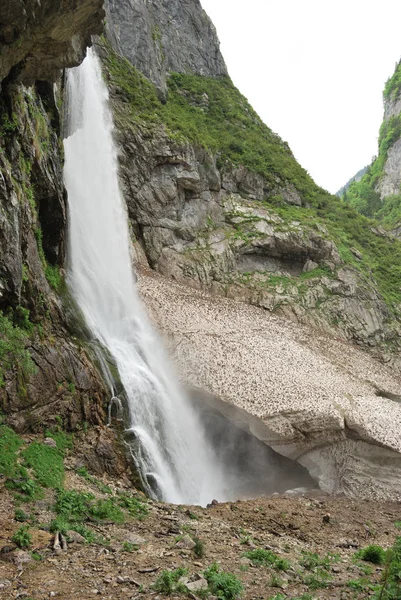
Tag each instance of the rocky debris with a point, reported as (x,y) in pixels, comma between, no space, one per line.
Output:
(59,543)
(290,528)
(309,397)
(167,36)
(75,538)
(186,542)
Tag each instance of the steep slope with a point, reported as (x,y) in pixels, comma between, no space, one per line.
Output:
(44,373)
(164,36)
(217,199)
(378,194)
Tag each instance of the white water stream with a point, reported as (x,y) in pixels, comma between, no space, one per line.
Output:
(173,448)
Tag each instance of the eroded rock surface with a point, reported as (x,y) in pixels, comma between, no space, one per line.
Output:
(216,228)
(165,35)
(309,397)
(38,39)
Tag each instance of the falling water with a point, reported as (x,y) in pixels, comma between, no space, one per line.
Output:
(171,449)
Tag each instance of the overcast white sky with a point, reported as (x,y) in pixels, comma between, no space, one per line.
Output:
(314,70)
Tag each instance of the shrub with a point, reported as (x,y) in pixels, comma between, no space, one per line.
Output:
(22,537)
(168,582)
(262,557)
(373,554)
(221,584)
(199,548)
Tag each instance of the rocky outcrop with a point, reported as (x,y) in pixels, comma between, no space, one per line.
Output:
(217,228)
(311,398)
(390,182)
(37,39)
(163,36)
(56,378)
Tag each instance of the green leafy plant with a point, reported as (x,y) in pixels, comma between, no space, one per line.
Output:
(168,582)
(222,584)
(136,508)
(22,537)
(262,557)
(199,548)
(374,554)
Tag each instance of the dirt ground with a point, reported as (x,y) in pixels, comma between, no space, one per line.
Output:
(288,526)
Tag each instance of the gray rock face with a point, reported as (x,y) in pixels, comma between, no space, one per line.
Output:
(39,38)
(390,183)
(211,227)
(36,39)
(161,36)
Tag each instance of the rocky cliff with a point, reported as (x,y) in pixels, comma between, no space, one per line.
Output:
(164,36)
(378,194)
(44,372)
(217,200)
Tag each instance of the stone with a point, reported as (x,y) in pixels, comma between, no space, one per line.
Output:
(197,586)
(186,543)
(310,265)
(50,442)
(75,538)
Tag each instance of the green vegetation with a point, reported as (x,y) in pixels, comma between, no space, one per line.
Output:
(363,195)
(13,354)
(262,557)
(168,582)
(221,584)
(391,588)
(135,507)
(212,113)
(374,554)
(199,548)
(52,272)
(10,443)
(392,88)
(22,537)
(46,463)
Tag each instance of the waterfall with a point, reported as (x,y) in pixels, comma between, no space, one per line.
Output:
(175,461)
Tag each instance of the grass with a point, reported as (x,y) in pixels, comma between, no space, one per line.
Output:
(168,582)
(391,587)
(261,557)
(373,554)
(228,126)
(46,463)
(13,352)
(221,584)
(10,443)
